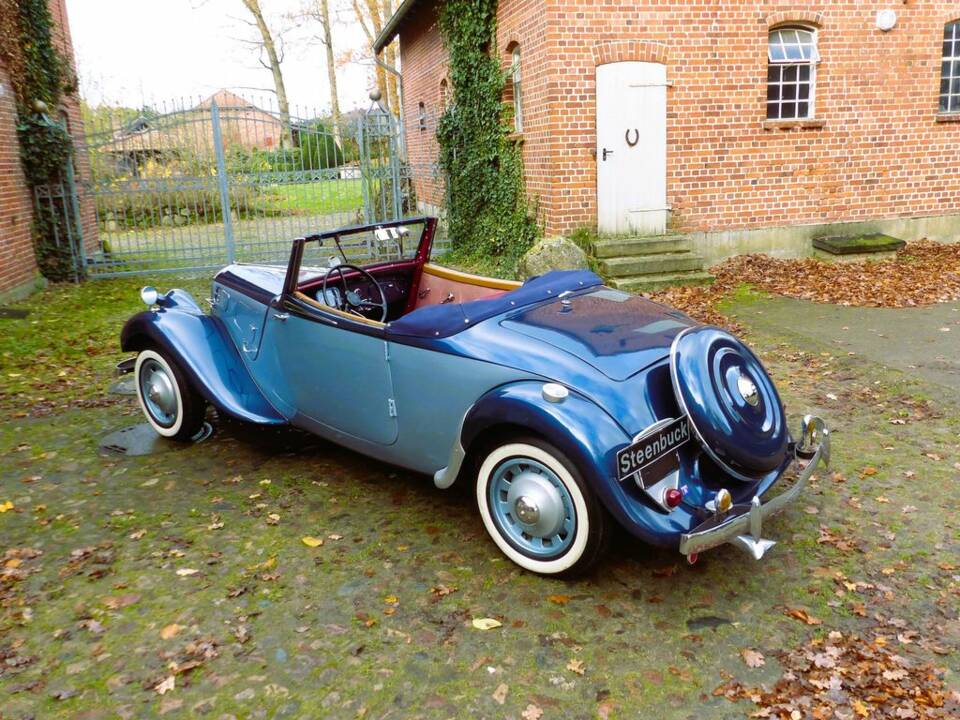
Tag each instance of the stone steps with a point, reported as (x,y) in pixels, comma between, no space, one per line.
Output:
(659,281)
(631,247)
(653,264)
(642,264)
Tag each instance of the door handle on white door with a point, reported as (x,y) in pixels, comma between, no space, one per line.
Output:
(605,153)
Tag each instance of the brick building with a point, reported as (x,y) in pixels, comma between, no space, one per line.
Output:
(18,268)
(748,126)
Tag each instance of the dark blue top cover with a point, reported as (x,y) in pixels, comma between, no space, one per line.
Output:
(732,404)
(444,320)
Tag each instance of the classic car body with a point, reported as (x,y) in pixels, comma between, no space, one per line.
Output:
(565,402)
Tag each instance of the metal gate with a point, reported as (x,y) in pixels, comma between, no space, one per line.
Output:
(194,188)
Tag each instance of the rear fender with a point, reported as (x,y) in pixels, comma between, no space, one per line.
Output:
(590,438)
(205,352)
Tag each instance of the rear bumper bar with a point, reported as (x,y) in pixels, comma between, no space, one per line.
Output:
(742,525)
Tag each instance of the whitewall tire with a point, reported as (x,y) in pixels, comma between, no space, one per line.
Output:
(538,510)
(172,407)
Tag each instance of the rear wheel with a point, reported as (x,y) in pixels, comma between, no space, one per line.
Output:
(172,406)
(538,510)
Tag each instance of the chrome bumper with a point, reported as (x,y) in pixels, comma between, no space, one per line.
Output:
(741,525)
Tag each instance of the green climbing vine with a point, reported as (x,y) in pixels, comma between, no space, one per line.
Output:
(40,76)
(489,213)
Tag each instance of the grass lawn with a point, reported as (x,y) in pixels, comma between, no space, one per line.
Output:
(315,198)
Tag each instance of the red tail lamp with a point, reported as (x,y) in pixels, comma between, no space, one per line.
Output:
(673,497)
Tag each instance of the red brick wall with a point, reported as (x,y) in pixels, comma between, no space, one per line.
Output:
(878,152)
(17,263)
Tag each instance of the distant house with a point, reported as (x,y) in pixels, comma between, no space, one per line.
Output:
(749,126)
(242,125)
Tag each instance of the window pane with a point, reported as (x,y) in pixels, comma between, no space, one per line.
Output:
(776,53)
(790,73)
(804,72)
(773,91)
(955,86)
(804,92)
(773,73)
(773,111)
(944,104)
(803,110)
(789,92)
(788,111)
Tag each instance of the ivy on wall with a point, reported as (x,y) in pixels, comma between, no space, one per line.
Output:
(40,76)
(488,211)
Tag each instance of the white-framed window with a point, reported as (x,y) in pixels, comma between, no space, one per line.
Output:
(516,79)
(792,58)
(950,69)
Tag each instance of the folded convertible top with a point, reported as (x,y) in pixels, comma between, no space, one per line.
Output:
(435,321)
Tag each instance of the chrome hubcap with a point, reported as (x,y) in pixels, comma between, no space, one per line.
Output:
(527,511)
(532,508)
(159,394)
(748,390)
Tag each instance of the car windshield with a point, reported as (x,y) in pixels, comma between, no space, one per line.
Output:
(366,246)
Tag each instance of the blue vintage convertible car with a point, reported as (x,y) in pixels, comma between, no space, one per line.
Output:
(568,405)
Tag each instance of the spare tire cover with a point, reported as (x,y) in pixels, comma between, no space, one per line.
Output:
(731,403)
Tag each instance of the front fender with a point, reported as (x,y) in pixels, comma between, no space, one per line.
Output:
(590,438)
(205,352)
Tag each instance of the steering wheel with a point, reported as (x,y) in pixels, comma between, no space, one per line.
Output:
(351,301)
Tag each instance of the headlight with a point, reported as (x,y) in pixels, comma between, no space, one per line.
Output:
(149,295)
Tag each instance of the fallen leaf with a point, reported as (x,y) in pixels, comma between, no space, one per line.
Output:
(753,658)
(115,602)
(391,599)
(170,631)
(273,519)
(137,535)
(166,685)
(442,590)
(6,506)
(803,616)
(532,713)
(500,694)
(311,541)
(186,572)
(576,666)
(335,536)
(486,623)
(559,599)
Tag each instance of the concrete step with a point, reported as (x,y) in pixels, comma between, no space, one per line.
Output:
(648,264)
(652,283)
(632,246)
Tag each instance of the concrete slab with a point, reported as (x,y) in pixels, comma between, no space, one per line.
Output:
(922,341)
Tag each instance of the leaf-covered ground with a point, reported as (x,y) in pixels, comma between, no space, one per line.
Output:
(921,273)
(271,575)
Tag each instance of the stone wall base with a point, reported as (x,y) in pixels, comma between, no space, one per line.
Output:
(797,241)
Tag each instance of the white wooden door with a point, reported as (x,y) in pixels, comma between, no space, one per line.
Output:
(632,148)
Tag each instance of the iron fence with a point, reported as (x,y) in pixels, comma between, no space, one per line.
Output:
(183,188)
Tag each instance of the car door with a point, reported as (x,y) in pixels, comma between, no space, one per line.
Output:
(335,370)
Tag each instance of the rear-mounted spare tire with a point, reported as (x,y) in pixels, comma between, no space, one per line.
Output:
(732,404)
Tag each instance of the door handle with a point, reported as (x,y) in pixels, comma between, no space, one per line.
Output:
(605,153)
(281,316)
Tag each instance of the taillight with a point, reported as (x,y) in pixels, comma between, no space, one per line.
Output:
(672,497)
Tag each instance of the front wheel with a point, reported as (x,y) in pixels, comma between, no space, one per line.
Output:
(538,510)
(172,406)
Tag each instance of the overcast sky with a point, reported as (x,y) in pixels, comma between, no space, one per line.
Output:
(135,52)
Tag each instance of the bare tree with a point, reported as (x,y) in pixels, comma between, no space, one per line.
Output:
(272,63)
(373,16)
(321,12)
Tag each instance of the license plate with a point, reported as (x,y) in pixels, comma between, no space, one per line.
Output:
(649,451)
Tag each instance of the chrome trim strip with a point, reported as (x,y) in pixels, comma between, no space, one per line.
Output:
(743,523)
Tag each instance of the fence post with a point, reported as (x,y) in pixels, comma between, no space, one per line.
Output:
(222,182)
